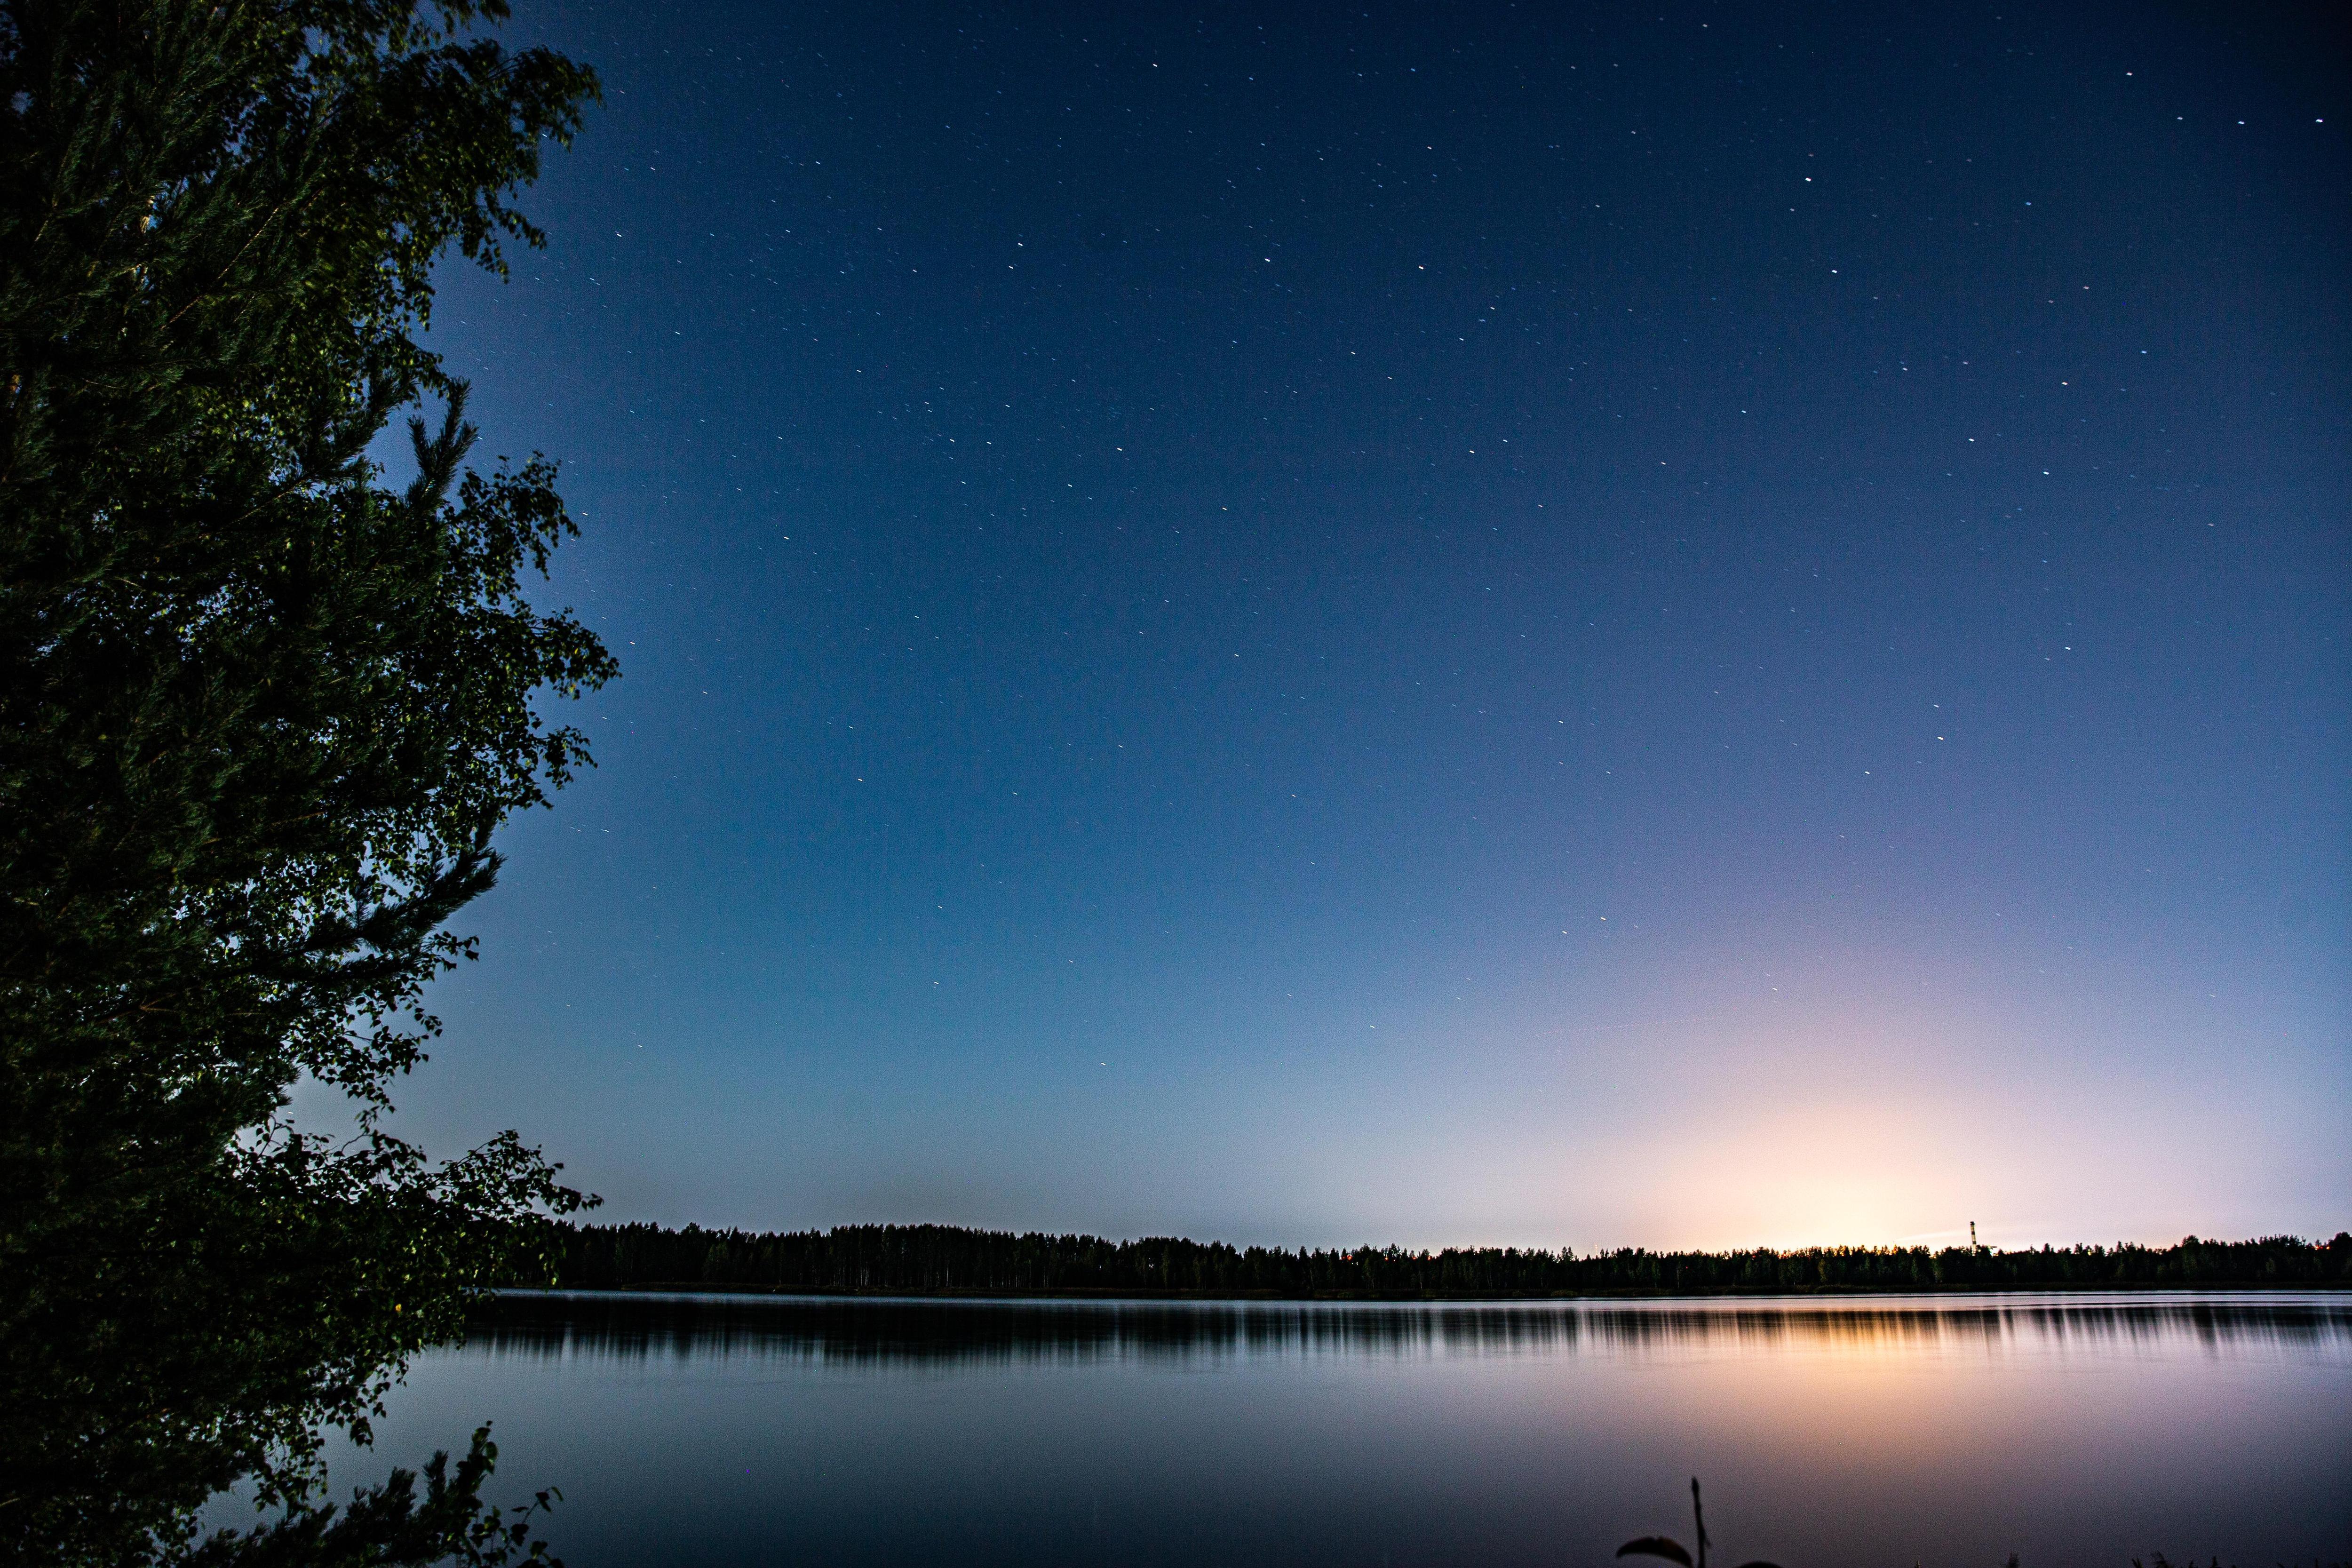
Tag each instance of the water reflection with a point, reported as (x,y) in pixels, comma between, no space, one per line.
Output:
(951,1333)
(720,1431)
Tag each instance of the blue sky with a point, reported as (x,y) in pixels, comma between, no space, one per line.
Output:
(1323,625)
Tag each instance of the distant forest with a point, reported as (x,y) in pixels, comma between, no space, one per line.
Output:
(948,1259)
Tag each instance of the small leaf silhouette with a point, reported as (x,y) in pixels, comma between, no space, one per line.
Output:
(1656,1546)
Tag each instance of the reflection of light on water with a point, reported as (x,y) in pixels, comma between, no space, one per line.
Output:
(945,1333)
(2083,1428)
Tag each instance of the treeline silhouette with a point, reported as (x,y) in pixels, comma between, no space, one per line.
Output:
(949,1260)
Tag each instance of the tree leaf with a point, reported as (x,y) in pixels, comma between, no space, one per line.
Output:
(1656,1546)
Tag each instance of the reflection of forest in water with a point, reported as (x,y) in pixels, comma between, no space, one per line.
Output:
(941,1333)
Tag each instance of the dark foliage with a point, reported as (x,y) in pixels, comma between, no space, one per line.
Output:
(388,1527)
(1673,1551)
(925,1257)
(259,714)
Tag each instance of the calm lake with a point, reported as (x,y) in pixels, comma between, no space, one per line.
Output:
(1885,1430)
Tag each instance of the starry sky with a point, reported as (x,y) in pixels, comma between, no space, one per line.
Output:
(1669,625)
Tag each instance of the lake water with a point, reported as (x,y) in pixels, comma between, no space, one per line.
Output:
(2068,1429)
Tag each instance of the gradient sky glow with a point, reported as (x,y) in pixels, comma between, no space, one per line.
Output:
(1655,625)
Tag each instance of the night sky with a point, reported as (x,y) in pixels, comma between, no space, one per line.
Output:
(1594,626)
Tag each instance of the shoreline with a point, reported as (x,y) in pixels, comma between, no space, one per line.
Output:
(704,1287)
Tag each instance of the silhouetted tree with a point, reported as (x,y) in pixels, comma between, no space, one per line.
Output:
(260,712)
(928,1257)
